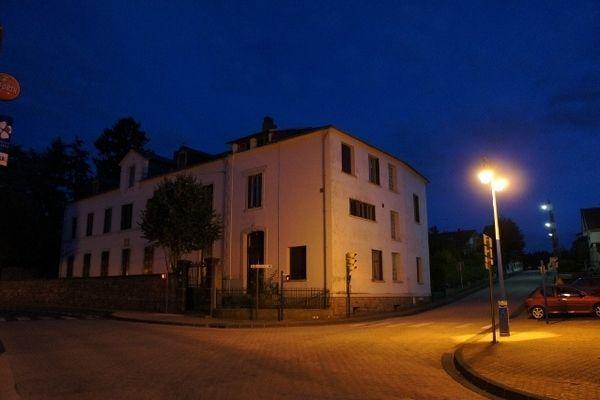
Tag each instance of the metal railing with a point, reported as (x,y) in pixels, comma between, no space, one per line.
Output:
(310,298)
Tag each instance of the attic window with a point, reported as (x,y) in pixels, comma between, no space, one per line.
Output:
(262,140)
(131,175)
(243,146)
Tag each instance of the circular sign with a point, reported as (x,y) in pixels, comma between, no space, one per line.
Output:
(9,87)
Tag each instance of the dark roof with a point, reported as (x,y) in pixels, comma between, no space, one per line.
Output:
(152,156)
(282,134)
(590,218)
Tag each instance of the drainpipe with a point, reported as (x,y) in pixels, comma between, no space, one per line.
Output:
(323,189)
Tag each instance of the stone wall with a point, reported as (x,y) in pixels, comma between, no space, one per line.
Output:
(363,305)
(141,292)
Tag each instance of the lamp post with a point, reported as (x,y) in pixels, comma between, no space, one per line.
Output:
(551,225)
(497,184)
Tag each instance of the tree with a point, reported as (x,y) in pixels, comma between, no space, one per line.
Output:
(112,146)
(512,240)
(180,218)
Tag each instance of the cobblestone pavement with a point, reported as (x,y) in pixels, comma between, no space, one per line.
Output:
(395,358)
(560,360)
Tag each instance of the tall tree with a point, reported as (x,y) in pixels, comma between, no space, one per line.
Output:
(180,218)
(511,239)
(113,144)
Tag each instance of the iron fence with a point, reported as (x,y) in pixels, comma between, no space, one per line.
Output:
(310,298)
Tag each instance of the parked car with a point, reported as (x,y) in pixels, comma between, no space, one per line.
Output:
(563,300)
(587,283)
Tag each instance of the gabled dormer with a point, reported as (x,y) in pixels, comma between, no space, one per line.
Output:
(134,168)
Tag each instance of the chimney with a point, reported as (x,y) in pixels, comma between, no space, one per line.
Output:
(268,124)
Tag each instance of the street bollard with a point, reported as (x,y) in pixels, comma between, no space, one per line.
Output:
(503,317)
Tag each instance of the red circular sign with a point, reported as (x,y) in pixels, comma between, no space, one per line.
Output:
(9,87)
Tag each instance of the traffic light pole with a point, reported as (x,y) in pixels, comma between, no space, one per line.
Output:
(348,277)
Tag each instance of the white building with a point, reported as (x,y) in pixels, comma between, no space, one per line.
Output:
(296,199)
(590,229)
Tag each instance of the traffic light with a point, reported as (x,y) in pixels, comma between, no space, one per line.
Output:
(488,253)
(351,261)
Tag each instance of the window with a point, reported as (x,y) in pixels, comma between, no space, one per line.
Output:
(125,255)
(397,272)
(131,176)
(87,261)
(208,190)
(346,158)
(298,262)
(392,179)
(419,271)
(374,170)
(255,191)
(107,220)
(148,259)
(395,225)
(126,211)
(89,227)
(377,265)
(104,258)
(70,262)
(416,209)
(363,210)
(73,227)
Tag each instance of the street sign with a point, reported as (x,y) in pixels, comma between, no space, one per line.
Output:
(260,266)
(9,87)
(488,253)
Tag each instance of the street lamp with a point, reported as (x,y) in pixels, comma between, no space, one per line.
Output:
(551,224)
(487,176)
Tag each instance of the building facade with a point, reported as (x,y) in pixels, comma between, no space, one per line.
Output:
(297,200)
(590,229)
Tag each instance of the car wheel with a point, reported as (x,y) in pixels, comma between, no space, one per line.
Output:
(597,310)
(538,312)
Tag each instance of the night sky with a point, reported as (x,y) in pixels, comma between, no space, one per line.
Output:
(439,84)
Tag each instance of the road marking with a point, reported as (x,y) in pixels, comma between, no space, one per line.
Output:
(463,325)
(396,325)
(486,327)
(420,325)
(67,317)
(23,319)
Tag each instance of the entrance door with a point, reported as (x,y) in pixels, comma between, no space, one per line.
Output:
(255,255)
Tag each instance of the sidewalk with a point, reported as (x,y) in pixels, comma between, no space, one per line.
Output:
(557,361)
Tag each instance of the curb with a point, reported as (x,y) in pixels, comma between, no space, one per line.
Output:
(291,323)
(490,385)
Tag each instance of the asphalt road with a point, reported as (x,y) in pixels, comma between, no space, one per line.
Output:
(104,359)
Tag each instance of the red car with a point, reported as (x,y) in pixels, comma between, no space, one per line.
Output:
(563,300)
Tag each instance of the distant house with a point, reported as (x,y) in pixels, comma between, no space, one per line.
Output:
(590,229)
(295,199)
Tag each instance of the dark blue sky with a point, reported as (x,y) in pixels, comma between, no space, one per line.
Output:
(440,84)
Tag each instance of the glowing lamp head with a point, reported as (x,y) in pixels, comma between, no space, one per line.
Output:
(550,234)
(499,184)
(547,224)
(486,176)
(545,207)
